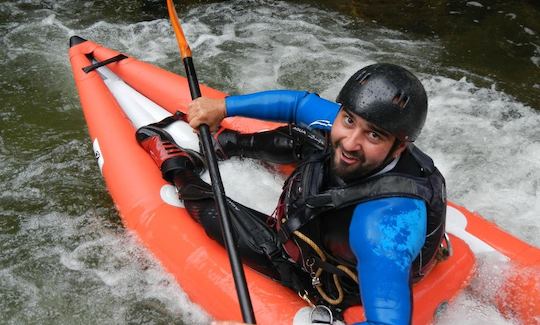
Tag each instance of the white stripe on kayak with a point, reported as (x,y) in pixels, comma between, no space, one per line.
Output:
(142,111)
(456,224)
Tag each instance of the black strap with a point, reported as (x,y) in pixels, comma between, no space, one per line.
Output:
(328,267)
(178,116)
(385,186)
(105,62)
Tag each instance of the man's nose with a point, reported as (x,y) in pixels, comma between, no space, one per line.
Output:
(352,142)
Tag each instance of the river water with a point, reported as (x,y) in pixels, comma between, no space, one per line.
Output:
(64,256)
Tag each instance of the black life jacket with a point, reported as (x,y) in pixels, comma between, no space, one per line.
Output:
(306,203)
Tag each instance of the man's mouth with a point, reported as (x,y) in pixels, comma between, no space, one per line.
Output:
(349,158)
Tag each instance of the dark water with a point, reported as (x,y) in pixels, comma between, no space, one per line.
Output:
(64,257)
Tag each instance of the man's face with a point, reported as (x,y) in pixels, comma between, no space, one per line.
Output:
(358,146)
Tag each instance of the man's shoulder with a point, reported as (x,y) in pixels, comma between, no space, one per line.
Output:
(316,112)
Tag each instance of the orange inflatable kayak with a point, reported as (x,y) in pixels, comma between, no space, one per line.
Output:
(119,94)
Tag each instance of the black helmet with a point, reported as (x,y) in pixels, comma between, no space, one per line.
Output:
(388,96)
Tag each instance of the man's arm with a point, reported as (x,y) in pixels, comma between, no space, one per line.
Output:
(386,235)
(298,107)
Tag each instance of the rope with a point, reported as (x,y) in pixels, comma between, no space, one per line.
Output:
(335,277)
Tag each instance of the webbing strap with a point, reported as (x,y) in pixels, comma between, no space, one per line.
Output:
(104,62)
(178,116)
(328,267)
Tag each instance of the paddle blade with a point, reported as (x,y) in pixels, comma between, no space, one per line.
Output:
(185,51)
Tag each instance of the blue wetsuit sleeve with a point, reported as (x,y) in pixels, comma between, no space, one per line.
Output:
(386,235)
(299,107)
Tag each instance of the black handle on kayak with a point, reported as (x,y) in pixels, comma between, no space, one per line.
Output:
(217,184)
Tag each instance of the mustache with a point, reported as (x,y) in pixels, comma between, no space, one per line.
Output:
(353,154)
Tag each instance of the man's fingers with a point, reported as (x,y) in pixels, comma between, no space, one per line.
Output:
(195,123)
(206,111)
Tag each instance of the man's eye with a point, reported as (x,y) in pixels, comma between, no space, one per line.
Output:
(375,135)
(348,120)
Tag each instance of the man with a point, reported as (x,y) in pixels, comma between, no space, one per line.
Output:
(360,218)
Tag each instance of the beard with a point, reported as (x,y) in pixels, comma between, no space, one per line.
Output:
(349,172)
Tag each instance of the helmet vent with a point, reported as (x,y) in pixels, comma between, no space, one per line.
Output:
(362,77)
(400,99)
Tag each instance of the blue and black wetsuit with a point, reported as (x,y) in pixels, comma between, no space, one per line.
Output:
(381,236)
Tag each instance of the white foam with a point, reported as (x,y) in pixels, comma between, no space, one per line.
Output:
(474,4)
(511,15)
(529,31)
(536,60)
(251,184)
(468,310)
(127,271)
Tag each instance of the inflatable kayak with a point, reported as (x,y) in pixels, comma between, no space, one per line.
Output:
(119,94)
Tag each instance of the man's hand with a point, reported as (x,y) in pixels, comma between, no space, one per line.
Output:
(208,111)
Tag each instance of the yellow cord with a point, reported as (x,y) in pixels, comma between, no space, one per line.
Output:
(322,256)
(310,243)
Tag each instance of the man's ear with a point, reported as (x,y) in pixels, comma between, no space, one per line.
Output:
(402,146)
